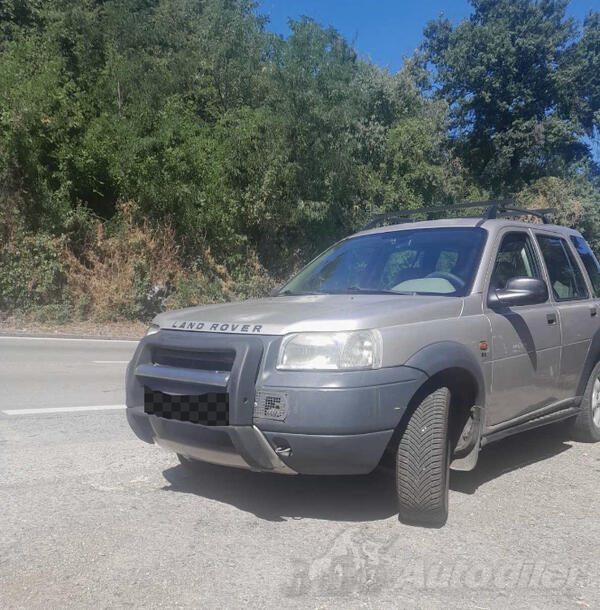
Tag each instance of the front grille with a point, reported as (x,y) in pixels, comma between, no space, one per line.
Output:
(204,360)
(206,409)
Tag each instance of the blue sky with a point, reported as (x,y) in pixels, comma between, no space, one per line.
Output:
(384,30)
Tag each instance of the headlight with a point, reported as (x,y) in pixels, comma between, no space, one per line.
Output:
(331,351)
(152,329)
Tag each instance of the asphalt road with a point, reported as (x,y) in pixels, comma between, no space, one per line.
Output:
(43,373)
(92,517)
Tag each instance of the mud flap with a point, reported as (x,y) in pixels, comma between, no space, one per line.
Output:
(466,452)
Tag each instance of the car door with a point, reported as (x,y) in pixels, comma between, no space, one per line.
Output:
(577,309)
(526,339)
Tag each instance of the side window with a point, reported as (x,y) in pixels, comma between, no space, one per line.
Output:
(565,277)
(589,260)
(515,258)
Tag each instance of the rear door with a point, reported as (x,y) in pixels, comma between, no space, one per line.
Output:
(525,339)
(578,310)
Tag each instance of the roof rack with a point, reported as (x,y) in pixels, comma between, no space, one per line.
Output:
(494,211)
(494,208)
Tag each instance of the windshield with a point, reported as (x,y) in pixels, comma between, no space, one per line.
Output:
(439,261)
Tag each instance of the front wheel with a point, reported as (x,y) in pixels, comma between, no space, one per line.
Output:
(423,462)
(586,426)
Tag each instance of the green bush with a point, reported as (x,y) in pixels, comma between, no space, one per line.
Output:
(57,313)
(32,272)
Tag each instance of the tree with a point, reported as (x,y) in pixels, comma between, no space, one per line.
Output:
(519,81)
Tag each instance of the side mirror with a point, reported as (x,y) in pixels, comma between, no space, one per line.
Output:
(274,291)
(519,291)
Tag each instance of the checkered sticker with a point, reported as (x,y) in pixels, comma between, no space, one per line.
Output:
(205,409)
(270,405)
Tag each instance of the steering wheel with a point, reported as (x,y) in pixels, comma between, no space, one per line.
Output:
(456,281)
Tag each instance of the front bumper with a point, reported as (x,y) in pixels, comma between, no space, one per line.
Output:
(237,446)
(250,448)
(336,423)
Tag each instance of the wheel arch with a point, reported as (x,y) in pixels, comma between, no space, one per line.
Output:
(453,363)
(592,358)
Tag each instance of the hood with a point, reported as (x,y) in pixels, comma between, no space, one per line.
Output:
(323,312)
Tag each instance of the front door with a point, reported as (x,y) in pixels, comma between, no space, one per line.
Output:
(525,339)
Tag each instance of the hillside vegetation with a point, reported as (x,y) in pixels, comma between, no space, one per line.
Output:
(161,153)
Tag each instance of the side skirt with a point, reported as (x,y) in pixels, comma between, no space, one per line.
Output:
(510,428)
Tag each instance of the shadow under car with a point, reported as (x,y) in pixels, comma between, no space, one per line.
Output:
(358,498)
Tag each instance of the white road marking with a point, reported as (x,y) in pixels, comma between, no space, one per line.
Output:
(70,339)
(110,361)
(61,410)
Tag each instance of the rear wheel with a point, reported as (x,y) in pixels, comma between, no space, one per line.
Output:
(586,426)
(423,462)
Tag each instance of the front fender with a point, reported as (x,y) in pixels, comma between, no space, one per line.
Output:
(444,355)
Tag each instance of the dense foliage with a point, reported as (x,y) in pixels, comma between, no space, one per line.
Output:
(125,121)
(523,84)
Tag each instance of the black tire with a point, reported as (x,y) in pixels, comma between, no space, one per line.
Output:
(584,428)
(423,462)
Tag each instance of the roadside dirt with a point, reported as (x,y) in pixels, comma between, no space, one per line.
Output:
(133,330)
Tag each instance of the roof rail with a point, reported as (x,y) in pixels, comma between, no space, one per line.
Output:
(494,208)
(494,211)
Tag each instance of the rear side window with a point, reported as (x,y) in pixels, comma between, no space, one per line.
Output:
(589,260)
(566,278)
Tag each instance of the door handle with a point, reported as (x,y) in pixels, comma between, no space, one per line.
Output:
(551,318)
(593,311)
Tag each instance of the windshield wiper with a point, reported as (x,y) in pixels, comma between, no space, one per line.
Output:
(349,290)
(359,290)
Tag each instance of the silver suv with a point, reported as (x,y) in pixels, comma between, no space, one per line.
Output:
(420,342)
